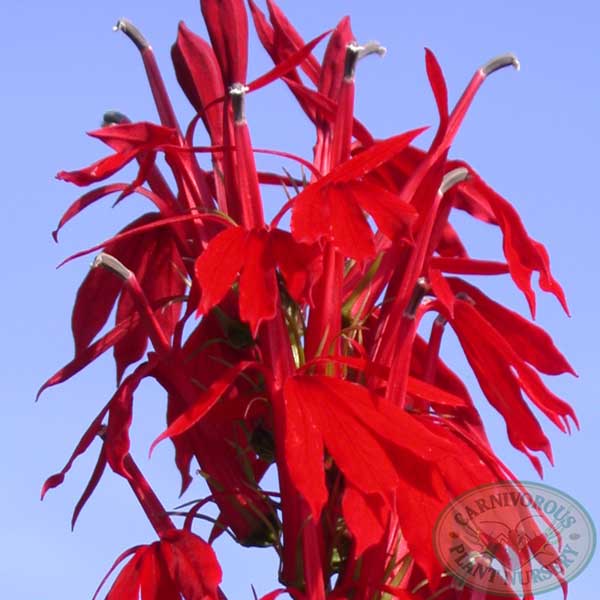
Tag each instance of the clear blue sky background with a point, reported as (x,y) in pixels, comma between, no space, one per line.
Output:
(533,135)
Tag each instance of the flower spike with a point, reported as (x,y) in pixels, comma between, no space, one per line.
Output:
(297,345)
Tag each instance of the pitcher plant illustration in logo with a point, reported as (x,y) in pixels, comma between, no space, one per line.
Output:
(509,538)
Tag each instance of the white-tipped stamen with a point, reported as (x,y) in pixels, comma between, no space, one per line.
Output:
(237,93)
(372,47)
(499,62)
(355,52)
(112,264)
(453,178)
(133,33)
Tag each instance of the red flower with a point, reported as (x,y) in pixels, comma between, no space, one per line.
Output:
(255,255)
(492,358)
(358,430)
(180,563)
(331,208)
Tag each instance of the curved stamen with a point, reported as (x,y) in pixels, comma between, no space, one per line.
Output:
(133,33)
(499,62)
(112,264)
(355,52)
(453,178)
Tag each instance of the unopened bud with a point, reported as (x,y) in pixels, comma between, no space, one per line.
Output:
(114,117)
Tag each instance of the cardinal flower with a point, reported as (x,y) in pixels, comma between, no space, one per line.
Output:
(179,564)
(255,254)
(307,354)
(332,207)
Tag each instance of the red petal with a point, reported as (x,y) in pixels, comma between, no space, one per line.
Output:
(98,292)
(311,219)
(128,136)
(94,302)
(389,212)
(333,406)
(332,69)
(89,354)
(84,443)
(438,85)
(373,157)
(288,39)
(450,244)
(556,409)
(133,347)
(258,286)
(350,230)
(116,441)
(274,594)
(468,266)
(165,282)
(312,101)
(206,400)
(366,517)
(184,451)
(530,341)
(433,394)
(130,140)
(192,565)
(227,25)
(161,276)
(498,383)
(442,290)
(200,78)
(127,584)
(300,264)
(155,581)
(157,224)
(218,265)
(137,551)
(84,201)
(523,254)
(285,66)
(553,407)
(304,450)
(448,381)
(90,487)
(100,169)
(264,30)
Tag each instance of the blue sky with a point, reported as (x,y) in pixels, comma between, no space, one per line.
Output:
(533,135)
